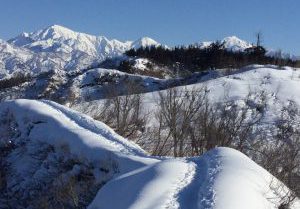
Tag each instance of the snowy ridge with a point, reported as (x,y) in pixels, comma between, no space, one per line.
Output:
(209,181)
(63,40)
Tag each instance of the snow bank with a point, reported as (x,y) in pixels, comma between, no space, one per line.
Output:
(85,138)
(150,187)
(223,178)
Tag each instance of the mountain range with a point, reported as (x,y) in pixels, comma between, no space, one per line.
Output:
(59,48)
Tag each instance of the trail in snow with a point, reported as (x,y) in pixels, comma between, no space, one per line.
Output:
(152,187)
(200,192)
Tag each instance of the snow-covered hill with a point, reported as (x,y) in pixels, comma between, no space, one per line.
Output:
(280,85)
(265,92)
(86,85)
(45,145)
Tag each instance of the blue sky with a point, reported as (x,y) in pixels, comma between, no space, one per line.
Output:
(171,22)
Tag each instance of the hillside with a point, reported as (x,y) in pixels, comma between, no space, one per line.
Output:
(165,127)
(279,86)
(93,154)
(254,110)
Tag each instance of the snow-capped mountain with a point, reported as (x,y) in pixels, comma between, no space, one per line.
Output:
(231,43)
(235,44)
(63,40)
(58,39)
(60,48)
(144,42)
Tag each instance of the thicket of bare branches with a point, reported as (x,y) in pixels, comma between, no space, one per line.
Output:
(282,156)
(189,124)
(124,113)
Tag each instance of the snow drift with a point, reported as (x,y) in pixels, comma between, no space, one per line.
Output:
(222,178)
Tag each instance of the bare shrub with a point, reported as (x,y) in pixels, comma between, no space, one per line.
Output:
(176,114)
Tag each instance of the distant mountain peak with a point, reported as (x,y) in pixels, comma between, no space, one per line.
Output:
(58,27)
(232,38)
(143,42)
(235,44)
(54,32)
(232,43)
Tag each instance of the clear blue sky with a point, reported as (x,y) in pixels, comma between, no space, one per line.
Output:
(172,22)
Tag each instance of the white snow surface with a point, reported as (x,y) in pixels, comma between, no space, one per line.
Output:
(222,178)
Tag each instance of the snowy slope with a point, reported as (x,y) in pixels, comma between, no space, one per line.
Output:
(280,85)
(15,59)
(85,85)
(139,181)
